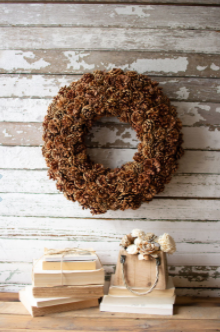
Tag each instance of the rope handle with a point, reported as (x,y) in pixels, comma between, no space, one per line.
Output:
(122,260)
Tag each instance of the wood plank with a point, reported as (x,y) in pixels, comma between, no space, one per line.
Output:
(108,136)
(108,324)
(37,181)
(9,297)
(192,162)
(107,249)
(191,41)
(183,276)
(203,293)
(47,86)
(34,110)
(185,231)
(181,311)
(113,15)
(49,205)
(79,62)
(179,2)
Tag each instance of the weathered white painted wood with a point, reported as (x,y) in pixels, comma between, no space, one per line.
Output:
(56,229)
(24,110)
(108,136)
(34,110)
(37,181)
(49,205)
(31,158)
(190,2)
(195,41)
(47,86)
(32,248)
(197,292)
(20,273)
(16,273)
(115,15)
(198,276)
(79,62)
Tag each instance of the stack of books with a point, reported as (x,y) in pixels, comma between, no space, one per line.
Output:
(75,283)
(158,302)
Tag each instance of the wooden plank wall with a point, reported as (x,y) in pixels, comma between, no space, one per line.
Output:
(46,46)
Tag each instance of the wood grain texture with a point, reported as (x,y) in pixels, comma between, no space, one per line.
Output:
(185,308)
(108,324)
(114,15)
(193,162)
(49,205)
(134,2)
(78,62)
(191,41)
(37,181)
(108,136)
(46,46)
(47,86)
(15,273)
(184,231)
(33,110)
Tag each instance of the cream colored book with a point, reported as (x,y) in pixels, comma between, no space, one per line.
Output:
(85,292)
(28,301)
(138,305)
(78,256)
(41,302)
(115,290)
(46,278)
(76,265)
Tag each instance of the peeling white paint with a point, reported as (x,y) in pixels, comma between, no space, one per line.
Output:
(6,134)
(76,60)
(15,60)
(140,11)
(218,89)
(189,112)
(218,109)
(20,132)
(183,93)
(200,68)
(214,67)
(166,65)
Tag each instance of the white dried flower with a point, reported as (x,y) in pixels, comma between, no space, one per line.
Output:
(167,243)
(141,257)
(126,241)
(137,233)
(138,241)
(149,237)
(132,249)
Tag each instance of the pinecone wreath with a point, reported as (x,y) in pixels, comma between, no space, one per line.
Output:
(132,98)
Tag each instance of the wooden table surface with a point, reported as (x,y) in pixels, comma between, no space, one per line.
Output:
(190,314)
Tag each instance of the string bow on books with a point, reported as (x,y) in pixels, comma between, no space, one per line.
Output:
(61,253)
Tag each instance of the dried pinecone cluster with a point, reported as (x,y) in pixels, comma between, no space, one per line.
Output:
(132,98)
(147,245)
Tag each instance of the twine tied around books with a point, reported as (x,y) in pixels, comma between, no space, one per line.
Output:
(63,253)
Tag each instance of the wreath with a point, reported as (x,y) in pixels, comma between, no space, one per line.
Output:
(132,98)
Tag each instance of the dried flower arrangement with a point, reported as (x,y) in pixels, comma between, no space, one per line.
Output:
(147,244)
(132,98)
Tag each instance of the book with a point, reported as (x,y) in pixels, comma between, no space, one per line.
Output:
(41,302)
(27,300)
(122,291)
(88,291)
(138,305)
(76,265)
(46,278)
(78,256)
